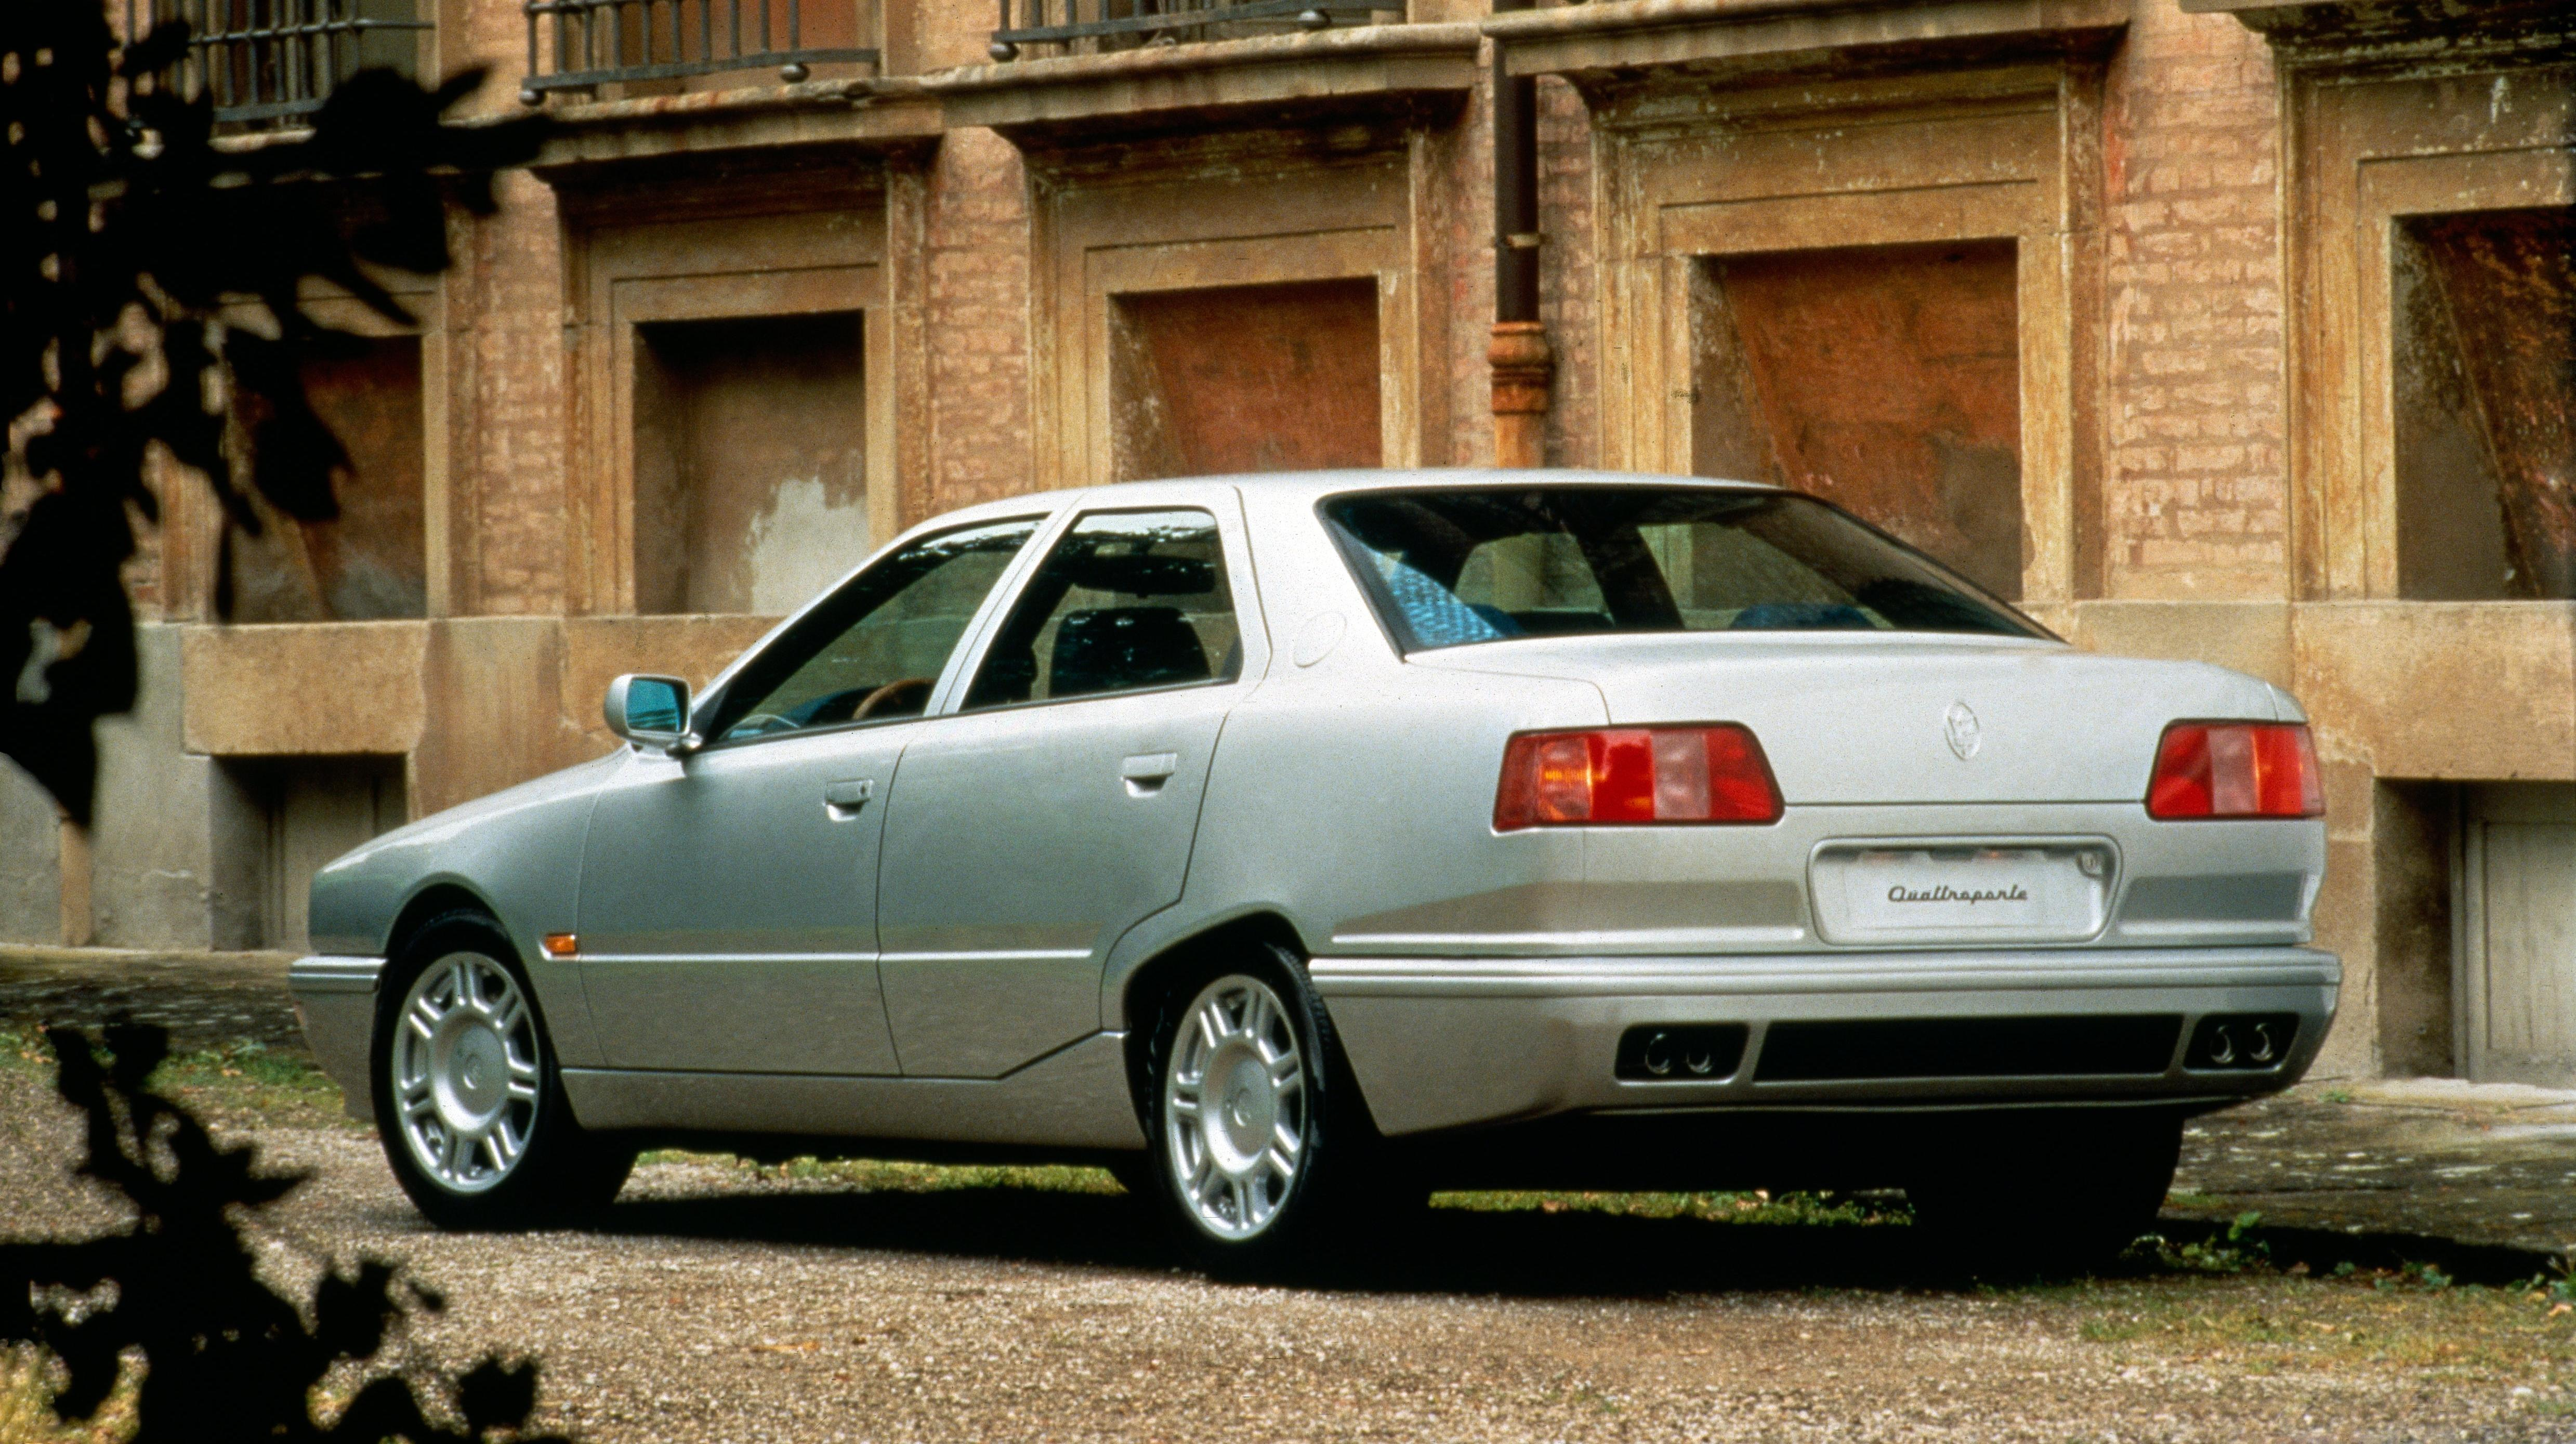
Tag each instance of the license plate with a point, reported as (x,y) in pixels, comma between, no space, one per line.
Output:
(2034,893)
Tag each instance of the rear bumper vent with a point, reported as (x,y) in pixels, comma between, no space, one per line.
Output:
(2086,1045)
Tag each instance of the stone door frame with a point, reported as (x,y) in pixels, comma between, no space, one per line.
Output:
(723,250)
(1689,170)
(1227,211)
(2369,149)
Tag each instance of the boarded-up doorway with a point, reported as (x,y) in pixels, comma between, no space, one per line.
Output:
(1245,378)
(2516,941)
(1885,379)
(750,461)
(2484,330)
(313,809)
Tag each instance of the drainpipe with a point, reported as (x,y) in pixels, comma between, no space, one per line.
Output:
(1518,354)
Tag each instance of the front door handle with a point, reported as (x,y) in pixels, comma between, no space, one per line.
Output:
(1148,771)
(844,799)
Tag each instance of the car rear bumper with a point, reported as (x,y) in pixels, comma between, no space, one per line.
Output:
(1448,1042)
(335,999)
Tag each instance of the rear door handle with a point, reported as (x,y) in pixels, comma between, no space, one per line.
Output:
(1148,771)
(844,799)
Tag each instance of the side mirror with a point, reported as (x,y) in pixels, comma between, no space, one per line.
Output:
(651,712)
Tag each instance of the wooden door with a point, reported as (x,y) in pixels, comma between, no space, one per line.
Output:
(2516,979)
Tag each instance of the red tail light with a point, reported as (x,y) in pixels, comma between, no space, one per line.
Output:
(1635,774)
(2236,769)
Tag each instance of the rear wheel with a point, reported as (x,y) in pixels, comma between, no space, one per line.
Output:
(1261,1150)
(2051,1191)
(467,1097)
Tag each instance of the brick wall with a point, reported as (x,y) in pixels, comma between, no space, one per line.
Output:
(506,417)
(1566,277)
(2197,479)
(1465,270)
(978,322)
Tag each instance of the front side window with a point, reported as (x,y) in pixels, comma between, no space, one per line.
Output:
(1126,601)
(875,649)
(1446,568)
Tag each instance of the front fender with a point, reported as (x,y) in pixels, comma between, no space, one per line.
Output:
(518,853)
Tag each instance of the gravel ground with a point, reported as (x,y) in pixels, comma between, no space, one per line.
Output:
(725,1303)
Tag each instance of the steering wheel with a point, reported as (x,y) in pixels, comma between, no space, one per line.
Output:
(884,696)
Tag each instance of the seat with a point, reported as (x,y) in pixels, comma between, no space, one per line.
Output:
(1119,649)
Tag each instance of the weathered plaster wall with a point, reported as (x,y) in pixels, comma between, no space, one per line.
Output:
(1246,378)
(1884,379)
(31,870)
(750,461)
(174,845)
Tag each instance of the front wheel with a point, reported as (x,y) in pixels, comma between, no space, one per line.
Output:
(1259,1145)
(467,1098)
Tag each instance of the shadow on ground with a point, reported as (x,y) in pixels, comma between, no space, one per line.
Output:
(1522,1253)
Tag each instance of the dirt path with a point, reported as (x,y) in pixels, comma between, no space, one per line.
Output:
(722,1303)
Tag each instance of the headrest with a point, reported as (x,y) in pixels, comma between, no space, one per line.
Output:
(1117,649)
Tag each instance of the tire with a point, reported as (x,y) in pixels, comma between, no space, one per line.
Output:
(2047,1192)
(1261,1152)
(468,1100)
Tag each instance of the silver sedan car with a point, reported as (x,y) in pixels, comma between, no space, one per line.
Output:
(1294,845)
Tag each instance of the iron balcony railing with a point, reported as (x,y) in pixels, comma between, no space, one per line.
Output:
(267,60)
(1079,26)
(584,44)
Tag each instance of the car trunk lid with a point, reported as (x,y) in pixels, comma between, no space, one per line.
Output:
(1900,718)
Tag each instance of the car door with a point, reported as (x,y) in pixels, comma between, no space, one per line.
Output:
(727,914)
(1057,807)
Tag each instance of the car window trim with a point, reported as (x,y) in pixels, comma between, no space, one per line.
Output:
(969,656)
(1233,539)
(1042,534)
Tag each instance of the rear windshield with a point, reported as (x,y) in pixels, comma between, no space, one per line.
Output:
(1446,568)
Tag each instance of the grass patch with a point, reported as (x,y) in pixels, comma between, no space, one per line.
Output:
(244,1083)
(2279,1321)
(881,1176)
(1839,1210)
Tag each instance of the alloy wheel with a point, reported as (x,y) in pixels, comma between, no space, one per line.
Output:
(466,1072)
(1236,1110)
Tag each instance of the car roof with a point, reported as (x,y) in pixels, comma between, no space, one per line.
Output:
(1293,484)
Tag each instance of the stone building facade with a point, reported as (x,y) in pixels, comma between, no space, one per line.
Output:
(2226,329)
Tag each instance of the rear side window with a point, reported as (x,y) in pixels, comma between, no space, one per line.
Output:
(1127,601)
(1447,568)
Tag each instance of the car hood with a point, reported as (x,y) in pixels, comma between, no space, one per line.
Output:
(1879,718)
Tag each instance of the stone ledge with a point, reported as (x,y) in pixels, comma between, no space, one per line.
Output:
(887,116)
(527,687)
(2363,30)
(322,688)
(1735,36)
(1329,71)
(2438,691)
